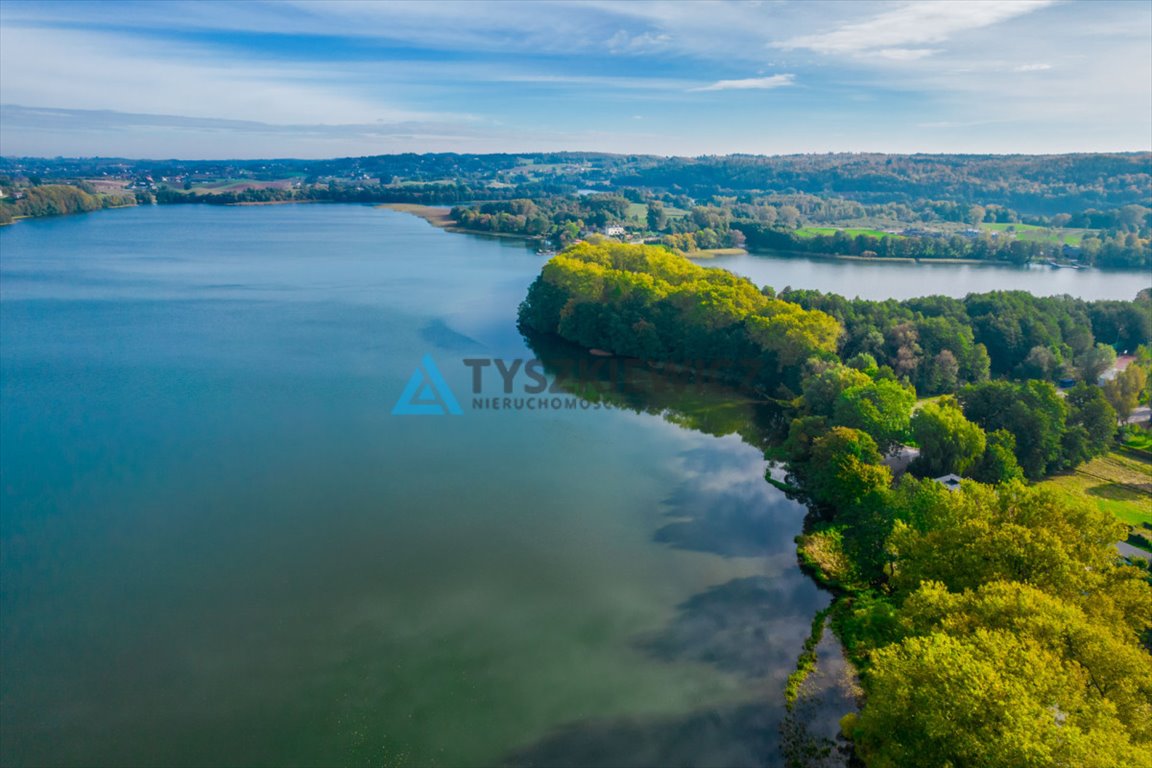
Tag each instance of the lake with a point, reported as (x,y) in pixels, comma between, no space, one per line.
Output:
(878,279)
(219,546)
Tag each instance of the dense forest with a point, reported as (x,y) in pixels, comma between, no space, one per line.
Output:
(993,624)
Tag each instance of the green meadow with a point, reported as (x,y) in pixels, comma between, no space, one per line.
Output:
(850,231)
(1040,234)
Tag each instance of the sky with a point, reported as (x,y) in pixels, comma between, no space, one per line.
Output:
(335,78)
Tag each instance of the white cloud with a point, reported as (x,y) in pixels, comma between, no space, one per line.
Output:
(916,23)
(904,54)
(46,132)
(571,73)
(751,83)
(90,70)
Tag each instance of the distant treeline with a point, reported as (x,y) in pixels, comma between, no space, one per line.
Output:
(1034,184)
(1115,249)
(770,224)
(712,202)
(422,194)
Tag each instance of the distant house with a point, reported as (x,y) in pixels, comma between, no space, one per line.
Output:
(614,230)
(951,482)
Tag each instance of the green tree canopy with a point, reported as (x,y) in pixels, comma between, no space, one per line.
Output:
(948,441)
(1032,411)
(844,467)
(881,408)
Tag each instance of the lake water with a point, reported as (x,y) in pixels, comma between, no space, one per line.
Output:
(218,546)
(877,279)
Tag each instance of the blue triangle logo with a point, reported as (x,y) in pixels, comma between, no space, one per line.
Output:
(427,394)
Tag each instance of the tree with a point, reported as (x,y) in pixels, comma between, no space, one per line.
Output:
(1123,391)
(990,699)
(826,382)
(1032,411)
(948,441)
(1095,361)
(865,363)
(975,215)
(882,408)
(1090,427)
(657,217)
(1100,699)
(1010,532)
(943,373)
(903,340)
(1041,363)
(843,467)
(998,464)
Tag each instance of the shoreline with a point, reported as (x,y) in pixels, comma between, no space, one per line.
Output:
(881,259)
(437,216)
(272,202)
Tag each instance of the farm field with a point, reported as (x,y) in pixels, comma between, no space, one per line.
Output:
(1040,234)
(238,185)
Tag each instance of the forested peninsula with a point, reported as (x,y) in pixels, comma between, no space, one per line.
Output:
(991,619)
(55,200)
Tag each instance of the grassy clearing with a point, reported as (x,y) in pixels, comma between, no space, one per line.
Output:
(639,212)
(237,185)
(711,253)
(1119,483)
(1040,234)
(850,231)
(1141,441)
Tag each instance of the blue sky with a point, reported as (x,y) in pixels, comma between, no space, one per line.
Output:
(325,78)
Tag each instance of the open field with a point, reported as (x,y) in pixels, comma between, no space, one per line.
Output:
(639,212)
(405,183)
(850,231)
(1119,483)
(107,186)
(238,185)
(1040,234)
(1141,441)
(711,253)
